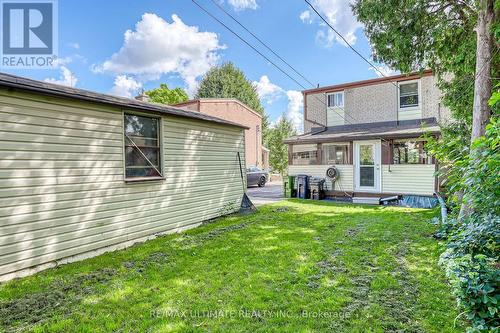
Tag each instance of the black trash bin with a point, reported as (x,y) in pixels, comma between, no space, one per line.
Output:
(317,188)
(302,182)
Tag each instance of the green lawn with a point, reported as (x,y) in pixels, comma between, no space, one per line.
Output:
(294,266)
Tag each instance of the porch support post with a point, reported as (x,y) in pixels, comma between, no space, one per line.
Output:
(319,151)
(387,152)
(351,153)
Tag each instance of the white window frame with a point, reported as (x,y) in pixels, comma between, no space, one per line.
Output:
(419,92)
(335,93)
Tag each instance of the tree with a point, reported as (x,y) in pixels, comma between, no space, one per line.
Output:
(278,157)
(165,95)
(455,40)
(227,81)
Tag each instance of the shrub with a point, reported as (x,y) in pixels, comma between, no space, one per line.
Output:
(471,263)
(475,283)
(477,235)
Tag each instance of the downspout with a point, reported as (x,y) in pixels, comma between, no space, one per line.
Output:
(444,212)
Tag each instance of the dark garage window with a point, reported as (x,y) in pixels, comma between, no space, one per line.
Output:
(142,147)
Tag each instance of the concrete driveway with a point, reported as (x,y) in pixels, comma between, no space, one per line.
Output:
(272,192)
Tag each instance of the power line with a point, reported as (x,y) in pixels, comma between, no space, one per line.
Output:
(279,57)
(281,70)
(253,48)
(260,41)
(345,41)
(247,43)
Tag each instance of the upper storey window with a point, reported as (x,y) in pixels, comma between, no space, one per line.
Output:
(336,100)
(409,100)
(335,111)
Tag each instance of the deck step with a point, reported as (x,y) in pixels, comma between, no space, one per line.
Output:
(366,200)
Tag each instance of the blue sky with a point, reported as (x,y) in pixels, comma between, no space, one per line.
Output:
(177,50)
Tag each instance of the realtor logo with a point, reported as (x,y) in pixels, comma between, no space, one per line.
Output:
(28,33)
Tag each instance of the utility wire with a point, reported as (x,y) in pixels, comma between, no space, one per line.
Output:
(281,58)
(260,41)
(345,41)
(283,71)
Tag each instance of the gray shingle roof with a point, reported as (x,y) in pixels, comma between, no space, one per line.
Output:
(386,130)
(45,88)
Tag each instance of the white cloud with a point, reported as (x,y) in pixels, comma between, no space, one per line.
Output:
(125,86)
(338,13)
(267,91)
(384,70)
(74,45)
(305,17)
(294,109)
(158,47)
(243,4)
(270,92)
(67,78)
(62,61)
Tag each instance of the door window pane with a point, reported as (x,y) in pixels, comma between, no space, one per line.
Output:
(367,176)
(366,155)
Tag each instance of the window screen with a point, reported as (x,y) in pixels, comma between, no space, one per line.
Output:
(142,147)
(335,154)
(305,157)
(410,152)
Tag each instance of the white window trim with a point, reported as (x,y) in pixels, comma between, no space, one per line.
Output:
(419,91)
(334,93)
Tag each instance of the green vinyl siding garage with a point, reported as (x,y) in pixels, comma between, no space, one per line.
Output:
(64,192)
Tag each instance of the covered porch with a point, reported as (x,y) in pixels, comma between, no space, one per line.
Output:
(383,160)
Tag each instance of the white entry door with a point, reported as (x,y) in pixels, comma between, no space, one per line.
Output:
(367,173)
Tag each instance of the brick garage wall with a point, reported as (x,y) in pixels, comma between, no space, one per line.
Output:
(235,111)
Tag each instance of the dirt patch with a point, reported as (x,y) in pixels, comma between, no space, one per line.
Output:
(154,259)
(281,209)
(19,314)
(330,265)
(399,303)
(198,239)
(352,232)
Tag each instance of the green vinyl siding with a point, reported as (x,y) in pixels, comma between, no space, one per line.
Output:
(62,188)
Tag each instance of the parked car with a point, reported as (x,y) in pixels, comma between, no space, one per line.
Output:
(256,176)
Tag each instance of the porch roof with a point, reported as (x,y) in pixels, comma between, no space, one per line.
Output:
(385,130)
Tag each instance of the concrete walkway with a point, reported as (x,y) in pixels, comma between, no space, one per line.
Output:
(272,192)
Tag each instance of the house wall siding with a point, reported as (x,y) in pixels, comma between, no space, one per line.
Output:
(62,189)
(408,179)
(376,103)
(416,179)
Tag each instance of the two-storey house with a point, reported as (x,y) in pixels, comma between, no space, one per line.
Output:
(372,131)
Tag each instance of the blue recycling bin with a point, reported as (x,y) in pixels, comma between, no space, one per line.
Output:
(302,186)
